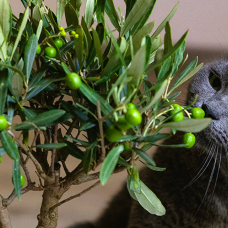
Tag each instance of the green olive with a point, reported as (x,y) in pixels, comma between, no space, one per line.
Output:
(63,33)
(122,124)
(3,123)
(112,134)
(189,139)
(178,116)
(73,81)
(38,49)
(58,43)
(133,116)
(22,180)
(197,113)
(50,52)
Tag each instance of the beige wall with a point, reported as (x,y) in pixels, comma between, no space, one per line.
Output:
(206,20)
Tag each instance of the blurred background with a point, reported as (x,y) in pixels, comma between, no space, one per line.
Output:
(207,22)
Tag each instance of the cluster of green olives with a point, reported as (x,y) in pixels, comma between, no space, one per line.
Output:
(50,51)
(177,115)
(131,118)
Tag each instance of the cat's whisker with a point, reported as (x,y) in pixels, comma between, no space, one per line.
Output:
(204,166)
(219,163)
(209,182)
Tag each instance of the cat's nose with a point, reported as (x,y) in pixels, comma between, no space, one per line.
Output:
(210,112)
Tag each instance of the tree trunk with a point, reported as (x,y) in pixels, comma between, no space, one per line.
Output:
(4,216)
(49,218)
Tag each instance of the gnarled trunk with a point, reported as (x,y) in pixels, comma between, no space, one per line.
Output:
(49,218)
(4,216)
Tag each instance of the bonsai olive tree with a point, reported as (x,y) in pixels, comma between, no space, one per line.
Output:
(85,91)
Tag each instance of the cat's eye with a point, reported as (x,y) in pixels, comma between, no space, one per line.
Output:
(215,81)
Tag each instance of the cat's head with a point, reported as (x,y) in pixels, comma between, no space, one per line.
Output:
(211,86)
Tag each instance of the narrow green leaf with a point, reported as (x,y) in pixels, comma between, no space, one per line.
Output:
(191,66)
(128,138)
(98,47)
(60,9)
(15,69)
(3,46)
(40,120)
(86,32)
(129,5)
(9,145)
(144,156)
(189,125)
(84,143)
(38,76)
(109,163)
(156,97)
(114,59)
(171,146)
(74,111)
(112,14)
(148,49)
(87,159)
(79,45)
(22,27)
(162,25)
(38,88)
(2,151)
(36,14)
(39,29)
(89,11)
(87,125)
(3,89)
(143,19)
(138,10)
(135,184)
(165,70)
(149,201)
(153,138)
(100,7)
(71,15)
(51,145)
(178,57)
(73,150)
(17,178)
(17,85)
(168,38)
(137,66)
(5,14)
(132,194)
(155,168)
(93,97)
(122,162)
(143,32)
(170,52)
(189,75)
(29,55)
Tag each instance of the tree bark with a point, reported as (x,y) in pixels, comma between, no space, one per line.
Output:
(4,216)
(49,218)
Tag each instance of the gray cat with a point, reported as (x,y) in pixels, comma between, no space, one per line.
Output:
(194,187)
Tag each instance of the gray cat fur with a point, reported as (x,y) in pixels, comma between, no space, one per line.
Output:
(202,204)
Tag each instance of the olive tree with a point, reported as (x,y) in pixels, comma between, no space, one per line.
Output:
(86,91)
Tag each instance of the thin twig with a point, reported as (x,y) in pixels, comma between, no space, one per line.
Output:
(54,153)
(74,196)
(25,168)
(100,123)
